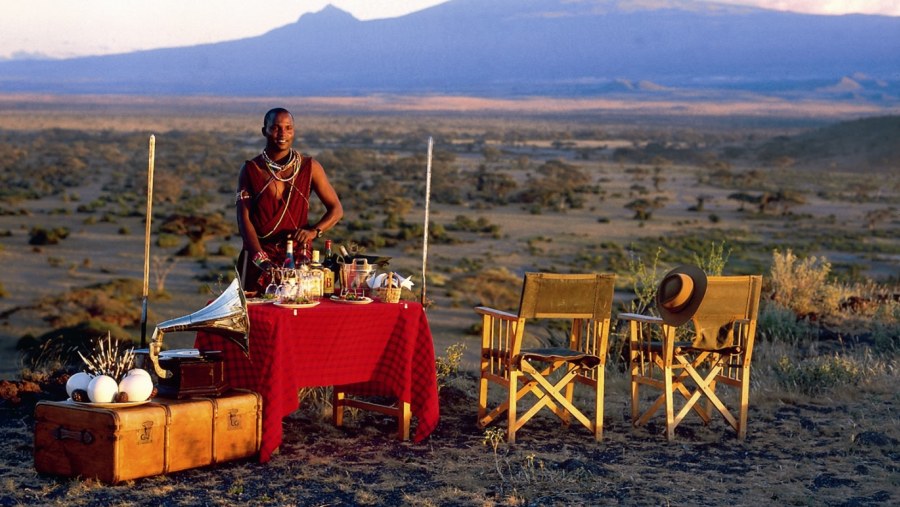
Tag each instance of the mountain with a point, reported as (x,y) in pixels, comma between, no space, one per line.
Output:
(863,146)
(509,47)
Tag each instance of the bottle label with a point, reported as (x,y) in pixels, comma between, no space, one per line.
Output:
(328,282)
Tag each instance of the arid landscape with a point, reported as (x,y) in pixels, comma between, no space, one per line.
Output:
(517,186)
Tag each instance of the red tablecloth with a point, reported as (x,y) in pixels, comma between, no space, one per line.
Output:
(378,349)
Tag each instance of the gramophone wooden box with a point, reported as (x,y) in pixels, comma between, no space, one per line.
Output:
(194,373)
(119,444)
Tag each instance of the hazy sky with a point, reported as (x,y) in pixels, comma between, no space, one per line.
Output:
(65,28)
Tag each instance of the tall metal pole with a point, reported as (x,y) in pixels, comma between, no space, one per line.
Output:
(427,209)
(146,288)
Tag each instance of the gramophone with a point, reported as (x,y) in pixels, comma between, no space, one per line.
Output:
(190,372)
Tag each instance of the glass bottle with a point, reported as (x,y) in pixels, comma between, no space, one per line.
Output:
(289,255)
(328,270)
(304,255)
(317,272)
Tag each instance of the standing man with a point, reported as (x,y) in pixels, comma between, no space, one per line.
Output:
(273,200)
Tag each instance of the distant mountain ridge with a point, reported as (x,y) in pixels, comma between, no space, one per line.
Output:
(510,47)
(866,145)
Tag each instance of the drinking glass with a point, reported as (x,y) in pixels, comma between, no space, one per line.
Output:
(274,282)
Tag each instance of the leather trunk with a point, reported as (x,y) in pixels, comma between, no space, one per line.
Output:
(119,444)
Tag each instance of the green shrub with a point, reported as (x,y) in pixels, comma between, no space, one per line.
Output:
(496,287)
(818,374)
(644,281)
(226,250)
(885,335)
(168,241)
(448,366)
(42,236)
(778,323)
(714,260)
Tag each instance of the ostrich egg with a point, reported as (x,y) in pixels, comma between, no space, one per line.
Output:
(103,389)
(138,387)
(138,371)
(78,381)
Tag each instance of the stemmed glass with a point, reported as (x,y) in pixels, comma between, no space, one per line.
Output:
(272,288)
(276,287)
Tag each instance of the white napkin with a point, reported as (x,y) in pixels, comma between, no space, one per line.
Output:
(380,280)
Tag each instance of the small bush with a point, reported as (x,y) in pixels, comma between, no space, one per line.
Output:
(714,259)
(448,367)
(802,285)
(778,323)
(495,287)
(228,251)
(818,374)
(42,236)
(168,241)
(885,335)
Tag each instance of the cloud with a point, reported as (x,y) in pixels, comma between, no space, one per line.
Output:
(833,7)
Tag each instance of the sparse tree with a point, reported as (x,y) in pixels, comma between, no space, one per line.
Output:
(644,208)
(161,269)
(876,216)
(198,230)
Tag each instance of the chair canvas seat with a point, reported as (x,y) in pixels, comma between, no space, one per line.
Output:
(688,347)
(554,354)
(724,329)
(585,302)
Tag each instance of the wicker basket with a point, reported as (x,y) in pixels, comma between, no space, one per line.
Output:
(389,294)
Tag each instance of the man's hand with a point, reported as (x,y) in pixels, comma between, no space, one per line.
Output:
(305,236)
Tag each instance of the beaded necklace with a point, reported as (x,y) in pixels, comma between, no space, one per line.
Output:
(274,169)
(277,168)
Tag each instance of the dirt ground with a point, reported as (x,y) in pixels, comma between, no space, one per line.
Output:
(839,449)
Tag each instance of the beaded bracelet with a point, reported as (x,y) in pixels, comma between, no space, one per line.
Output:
(260,258)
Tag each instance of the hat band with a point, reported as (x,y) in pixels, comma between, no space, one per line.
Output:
(684,294)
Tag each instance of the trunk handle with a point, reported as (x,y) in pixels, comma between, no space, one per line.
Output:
(84,436)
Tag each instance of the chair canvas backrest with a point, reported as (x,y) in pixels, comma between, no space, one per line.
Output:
(727,299)
(573,296)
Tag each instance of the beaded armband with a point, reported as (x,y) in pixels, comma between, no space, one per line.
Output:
(242,195)
(260,258)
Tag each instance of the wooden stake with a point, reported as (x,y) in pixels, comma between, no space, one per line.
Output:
(146,287)
(427,206)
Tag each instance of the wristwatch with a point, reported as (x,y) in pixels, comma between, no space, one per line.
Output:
(318,232)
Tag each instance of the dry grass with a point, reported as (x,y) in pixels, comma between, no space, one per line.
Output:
(837,448)
(834,446)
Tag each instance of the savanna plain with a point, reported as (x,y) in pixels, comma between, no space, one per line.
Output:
(806,196)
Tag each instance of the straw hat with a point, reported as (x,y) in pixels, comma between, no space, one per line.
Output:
(680,293)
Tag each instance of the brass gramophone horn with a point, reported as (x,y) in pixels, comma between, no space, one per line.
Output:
(226,316)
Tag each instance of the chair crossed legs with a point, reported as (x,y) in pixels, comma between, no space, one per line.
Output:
(724,329)
(582,300)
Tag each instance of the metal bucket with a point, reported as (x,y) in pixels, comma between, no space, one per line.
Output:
(355,275)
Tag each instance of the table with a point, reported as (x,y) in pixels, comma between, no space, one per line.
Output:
(376,349)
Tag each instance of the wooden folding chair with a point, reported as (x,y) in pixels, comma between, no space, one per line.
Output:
(585,302)
(724,329)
